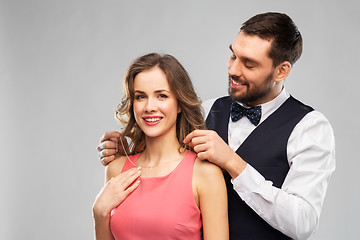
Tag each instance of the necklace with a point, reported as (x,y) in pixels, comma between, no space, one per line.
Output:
(127,156)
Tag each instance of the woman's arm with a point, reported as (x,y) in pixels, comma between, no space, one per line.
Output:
(111,195)
(212,199)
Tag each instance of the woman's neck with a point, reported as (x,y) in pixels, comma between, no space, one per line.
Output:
(160,150)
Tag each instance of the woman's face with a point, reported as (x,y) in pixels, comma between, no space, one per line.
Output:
(155,106)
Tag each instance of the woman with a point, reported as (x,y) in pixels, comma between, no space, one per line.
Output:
(160,191)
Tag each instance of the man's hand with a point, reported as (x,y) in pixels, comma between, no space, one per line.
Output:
(110,147)
(210,146)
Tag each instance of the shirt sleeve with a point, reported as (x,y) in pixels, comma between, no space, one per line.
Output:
(294,209)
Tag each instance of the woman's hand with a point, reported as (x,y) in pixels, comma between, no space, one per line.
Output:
(114,192)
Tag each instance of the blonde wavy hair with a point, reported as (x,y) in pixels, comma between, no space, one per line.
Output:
(190,118)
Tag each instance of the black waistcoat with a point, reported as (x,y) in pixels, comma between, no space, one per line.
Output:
(265,150)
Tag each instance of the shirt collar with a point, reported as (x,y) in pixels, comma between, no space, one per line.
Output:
(269,107)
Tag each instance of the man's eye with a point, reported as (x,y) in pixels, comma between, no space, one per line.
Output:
(249,66)
(233,57)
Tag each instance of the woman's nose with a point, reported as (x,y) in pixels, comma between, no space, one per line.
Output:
(150,105)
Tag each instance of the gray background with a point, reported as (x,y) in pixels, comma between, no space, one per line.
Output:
(61,67)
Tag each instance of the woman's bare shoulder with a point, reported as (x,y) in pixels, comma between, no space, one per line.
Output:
(205,170)
(114,167)
(206,167)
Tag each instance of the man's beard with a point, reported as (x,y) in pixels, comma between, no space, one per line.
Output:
(255,93)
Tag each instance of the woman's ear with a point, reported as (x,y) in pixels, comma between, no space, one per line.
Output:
(282,71)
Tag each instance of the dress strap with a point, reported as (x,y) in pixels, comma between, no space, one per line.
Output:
(128,165)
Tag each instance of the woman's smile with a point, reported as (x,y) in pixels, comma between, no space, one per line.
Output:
(152,120)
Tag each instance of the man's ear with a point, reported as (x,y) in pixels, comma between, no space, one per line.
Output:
(282,71)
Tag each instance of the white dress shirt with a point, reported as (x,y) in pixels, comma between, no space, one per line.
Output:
(293,209)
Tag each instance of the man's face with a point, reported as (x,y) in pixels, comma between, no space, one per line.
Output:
(251,70)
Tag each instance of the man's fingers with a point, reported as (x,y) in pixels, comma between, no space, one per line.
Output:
(115,140)
(107,145)
(188,138)
(194,134)
(202,156)
(107,153)
(106,160)
(108,135)
(199,140)
(195,141)
(191,135)
(200,148)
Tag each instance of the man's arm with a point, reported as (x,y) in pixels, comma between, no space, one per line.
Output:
(295,208)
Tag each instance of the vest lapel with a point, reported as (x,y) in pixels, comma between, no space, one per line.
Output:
(218,117)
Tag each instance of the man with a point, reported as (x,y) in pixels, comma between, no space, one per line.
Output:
(277,153)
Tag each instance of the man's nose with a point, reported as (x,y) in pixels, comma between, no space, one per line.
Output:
(234,69)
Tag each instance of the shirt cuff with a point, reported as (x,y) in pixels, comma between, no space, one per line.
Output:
(248,182)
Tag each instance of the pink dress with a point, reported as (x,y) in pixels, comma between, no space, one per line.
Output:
(161,207)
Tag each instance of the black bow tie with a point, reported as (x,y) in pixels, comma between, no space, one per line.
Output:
(253,114)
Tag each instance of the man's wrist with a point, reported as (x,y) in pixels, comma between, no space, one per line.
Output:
(235,166)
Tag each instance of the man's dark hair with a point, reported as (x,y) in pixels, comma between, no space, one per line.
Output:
(281,30)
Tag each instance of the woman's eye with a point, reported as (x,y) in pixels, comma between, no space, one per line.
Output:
(233,57)
(162,96)
(138,97)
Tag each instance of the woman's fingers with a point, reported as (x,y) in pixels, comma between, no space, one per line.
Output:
(126,178)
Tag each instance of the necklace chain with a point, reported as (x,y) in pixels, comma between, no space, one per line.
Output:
(127,156)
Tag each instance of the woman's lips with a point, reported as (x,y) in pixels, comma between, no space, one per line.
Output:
(153,120)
